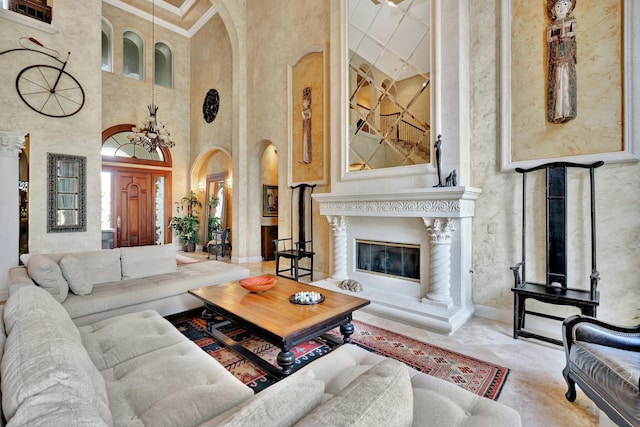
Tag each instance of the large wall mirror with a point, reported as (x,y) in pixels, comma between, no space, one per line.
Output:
(389,89)
(67,188)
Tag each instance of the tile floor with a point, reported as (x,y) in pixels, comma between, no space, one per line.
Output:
(535,386)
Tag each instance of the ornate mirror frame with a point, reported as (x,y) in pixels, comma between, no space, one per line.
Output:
(66,193)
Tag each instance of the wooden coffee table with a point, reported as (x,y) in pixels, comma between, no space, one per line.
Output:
(271,316)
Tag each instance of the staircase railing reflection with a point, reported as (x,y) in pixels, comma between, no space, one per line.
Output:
(399,132)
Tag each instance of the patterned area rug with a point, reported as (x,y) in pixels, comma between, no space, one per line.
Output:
(477,376)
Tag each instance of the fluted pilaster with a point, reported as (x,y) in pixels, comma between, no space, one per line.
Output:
(11,144)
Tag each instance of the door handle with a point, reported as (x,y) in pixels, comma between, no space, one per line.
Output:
(118,222)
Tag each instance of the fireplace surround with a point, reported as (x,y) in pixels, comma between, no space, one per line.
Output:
(437,221)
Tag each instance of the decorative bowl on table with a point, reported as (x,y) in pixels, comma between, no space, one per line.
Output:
(258,283)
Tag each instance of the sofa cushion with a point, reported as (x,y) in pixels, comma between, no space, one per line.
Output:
(47,375)
(25,302)
(613,372)
(380,396)
(157,377)
(435,401)
(76,274)
(103,266)
(144,261)
(123,293)
(47,274)
(275,406)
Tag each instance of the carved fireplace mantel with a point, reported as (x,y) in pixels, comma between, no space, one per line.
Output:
(443,300)
(445,202)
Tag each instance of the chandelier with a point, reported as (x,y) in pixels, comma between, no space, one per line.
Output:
(152,135)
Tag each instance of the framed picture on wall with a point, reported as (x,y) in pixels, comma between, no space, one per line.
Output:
(269,200)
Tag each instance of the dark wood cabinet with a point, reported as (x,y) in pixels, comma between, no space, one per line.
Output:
(269,234)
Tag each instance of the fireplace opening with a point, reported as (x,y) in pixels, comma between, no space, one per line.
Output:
(389,259)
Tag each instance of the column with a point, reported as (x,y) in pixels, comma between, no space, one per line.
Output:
(440,275)
(11,143)
(338,224)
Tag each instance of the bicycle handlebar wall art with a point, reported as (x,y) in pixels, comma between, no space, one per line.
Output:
(48,89)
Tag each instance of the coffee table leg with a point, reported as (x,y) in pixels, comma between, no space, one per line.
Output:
(285,360)
(207,316)
(346,330)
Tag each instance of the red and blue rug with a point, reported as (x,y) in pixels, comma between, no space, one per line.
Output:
(475,375)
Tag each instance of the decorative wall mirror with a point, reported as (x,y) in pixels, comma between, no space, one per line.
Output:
(216,212)
(389,103)
(66,202)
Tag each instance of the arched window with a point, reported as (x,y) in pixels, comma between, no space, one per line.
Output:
(163,62)
(116,146)
(132,55)
(107,46)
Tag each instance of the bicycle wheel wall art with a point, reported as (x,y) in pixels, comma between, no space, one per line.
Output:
(48,89)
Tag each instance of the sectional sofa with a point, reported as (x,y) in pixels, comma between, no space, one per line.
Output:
(136,369)
(96,285)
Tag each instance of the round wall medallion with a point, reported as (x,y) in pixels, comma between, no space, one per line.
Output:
(211,105)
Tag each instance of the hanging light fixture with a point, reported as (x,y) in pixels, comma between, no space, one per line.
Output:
(152,134)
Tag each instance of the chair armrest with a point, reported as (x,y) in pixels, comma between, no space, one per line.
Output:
(589,329)
(284,243)
(595,278)
(517,281)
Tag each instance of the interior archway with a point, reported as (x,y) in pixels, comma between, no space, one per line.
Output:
(212,180)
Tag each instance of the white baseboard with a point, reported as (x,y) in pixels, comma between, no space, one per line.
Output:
(536,324)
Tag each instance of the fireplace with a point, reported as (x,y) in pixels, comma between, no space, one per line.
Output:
(421,273)
(388,259)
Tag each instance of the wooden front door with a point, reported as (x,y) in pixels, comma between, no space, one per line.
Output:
(133,199)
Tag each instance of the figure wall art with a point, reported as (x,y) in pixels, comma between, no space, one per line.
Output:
(567,72)
(307,127)
(562,102)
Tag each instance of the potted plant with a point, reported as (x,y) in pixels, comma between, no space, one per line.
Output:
(187,227)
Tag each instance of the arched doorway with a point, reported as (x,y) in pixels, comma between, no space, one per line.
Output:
(136,191)
(212,170)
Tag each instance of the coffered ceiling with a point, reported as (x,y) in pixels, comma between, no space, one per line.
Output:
(184,17)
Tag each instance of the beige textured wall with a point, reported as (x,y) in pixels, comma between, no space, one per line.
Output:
(617,189)
(79,134)
(125,100)
(211,69)
(277,32)
(598,126)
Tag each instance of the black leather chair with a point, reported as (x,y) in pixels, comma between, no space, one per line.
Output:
(604,360)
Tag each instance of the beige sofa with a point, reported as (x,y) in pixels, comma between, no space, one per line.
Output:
(96,285)
(136,369)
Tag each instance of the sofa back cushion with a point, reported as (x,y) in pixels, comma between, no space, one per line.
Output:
(47,274)
(47,376)
(280,405)
(145,261)
(380,396)
(102,266)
